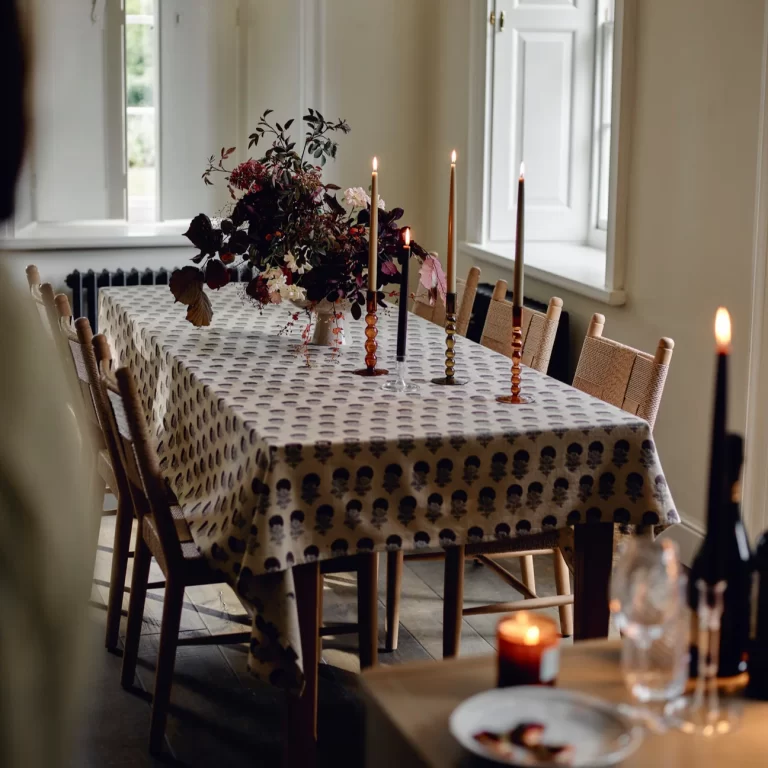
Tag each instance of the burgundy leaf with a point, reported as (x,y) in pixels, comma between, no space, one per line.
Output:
(200,312)
(186,284)
(216,275)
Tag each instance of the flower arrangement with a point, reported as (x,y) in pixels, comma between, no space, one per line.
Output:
(302,244)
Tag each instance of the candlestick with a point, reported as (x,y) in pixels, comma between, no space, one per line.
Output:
(529,650)
(373,235)
(516,397)
(400,382)
(517,299)
(371,344)
(452,233)
(450,379)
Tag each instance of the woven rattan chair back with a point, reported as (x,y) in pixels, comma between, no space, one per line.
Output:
(466,290)
(43,296)
(539,329)
(622,376)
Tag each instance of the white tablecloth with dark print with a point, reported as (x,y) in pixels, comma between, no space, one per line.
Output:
(276,463)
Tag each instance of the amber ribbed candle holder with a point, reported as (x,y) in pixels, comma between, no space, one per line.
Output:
(516,397)
(450,345)
(371,345)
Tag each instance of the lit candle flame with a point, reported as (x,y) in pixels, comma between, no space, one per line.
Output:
(531,636)
(723,329)
(522,171)
(453,157)
(407,237)
(375,164)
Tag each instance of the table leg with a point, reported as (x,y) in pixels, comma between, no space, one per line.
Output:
(592,561)
(300,737)
(394,584)
(367,609)
(453,600)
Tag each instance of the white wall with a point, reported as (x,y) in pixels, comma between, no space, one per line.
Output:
(691,207)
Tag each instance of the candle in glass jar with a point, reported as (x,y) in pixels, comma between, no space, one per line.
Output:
(373,237)
(529,650)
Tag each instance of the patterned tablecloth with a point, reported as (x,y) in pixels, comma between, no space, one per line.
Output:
(276,463)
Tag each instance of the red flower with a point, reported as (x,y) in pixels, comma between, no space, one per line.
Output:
(227,258)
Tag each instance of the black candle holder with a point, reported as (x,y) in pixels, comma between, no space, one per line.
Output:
(371,345)
(516,397)
(450,379)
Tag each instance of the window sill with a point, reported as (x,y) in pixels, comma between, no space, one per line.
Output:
(577,268)
(96,234)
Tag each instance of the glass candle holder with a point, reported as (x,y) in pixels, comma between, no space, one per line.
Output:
(529,650)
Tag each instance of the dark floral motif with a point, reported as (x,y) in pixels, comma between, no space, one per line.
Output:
(475,535)
(421,540)
(514,498)
(573,457)
(520,464)
(560,491)
(276,530)
(647,454)
(392,475)
(574,517)
(533,501)
(378,446)
(444,472)
(606,486)
(595,454)
(340,547)
(433,443)
(405,445)
(457,441)
(487,502)
(523,527)
(485,439)
(351,447)
(283,492)
(293,455)
(621,516)
(323,451)
(434,507)
(549,522)
(339,482)
(594,515)
(547,460)
(447,537)
(394,543)
(650,518)
(353,514)
(502,531)
(499,466)
(236,545)
(659,488)
(363,481)
(634,486)
(309,488)
(533,434)
(406,510)
(620,453)
(365,545)
(586,485)
(471,469)
(419,476)
(379,517)
(324,519)
(297,524)
(511,435)
(272,565)
(458,504)
(311,553)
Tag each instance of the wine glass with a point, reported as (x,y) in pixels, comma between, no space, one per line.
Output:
(648,603)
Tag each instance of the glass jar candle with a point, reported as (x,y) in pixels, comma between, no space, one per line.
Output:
(529,650)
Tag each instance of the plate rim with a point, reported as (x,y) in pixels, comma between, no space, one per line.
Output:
(602,705)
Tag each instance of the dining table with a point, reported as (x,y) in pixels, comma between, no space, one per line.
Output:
(281,457)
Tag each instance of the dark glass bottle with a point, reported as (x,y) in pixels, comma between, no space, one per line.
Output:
(725,556)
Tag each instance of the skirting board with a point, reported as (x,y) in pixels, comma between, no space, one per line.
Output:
(688,536)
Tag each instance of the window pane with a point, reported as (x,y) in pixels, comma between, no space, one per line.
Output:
(141,113)
(603,134)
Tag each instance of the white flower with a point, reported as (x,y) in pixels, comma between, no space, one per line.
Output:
(382,204)
(275,278)
(293,292)
(356,197)
(290,261)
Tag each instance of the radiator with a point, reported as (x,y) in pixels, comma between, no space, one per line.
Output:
(85,286)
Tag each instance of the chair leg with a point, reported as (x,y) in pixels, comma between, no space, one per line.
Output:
(367,609)
(527,573)
(563,584)
(141,561)
(120,549)
(453,600)
(166,660)
(394,582)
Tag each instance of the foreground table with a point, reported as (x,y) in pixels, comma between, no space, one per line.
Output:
(408,708)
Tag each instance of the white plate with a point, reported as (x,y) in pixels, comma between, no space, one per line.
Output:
(599,735)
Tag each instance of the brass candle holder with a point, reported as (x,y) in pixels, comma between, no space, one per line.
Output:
(450,379)
(371,345)
(516,397)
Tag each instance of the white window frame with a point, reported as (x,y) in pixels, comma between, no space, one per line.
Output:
(595,269)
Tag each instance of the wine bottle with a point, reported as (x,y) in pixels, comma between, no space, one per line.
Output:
(725,556)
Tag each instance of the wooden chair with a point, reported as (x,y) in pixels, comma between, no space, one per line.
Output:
(539,329)
(164,534)
(615,373)
(622,376)
(43,296)
(466,290)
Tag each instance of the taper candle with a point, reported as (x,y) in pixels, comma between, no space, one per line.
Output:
(517,299)
(373,236)
(452,236)
(402,310)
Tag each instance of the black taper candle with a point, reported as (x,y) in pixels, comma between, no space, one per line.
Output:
(402,311)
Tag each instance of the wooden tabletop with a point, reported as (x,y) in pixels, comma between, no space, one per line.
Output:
(409,707)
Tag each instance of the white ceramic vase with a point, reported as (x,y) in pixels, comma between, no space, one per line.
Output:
(324,321)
